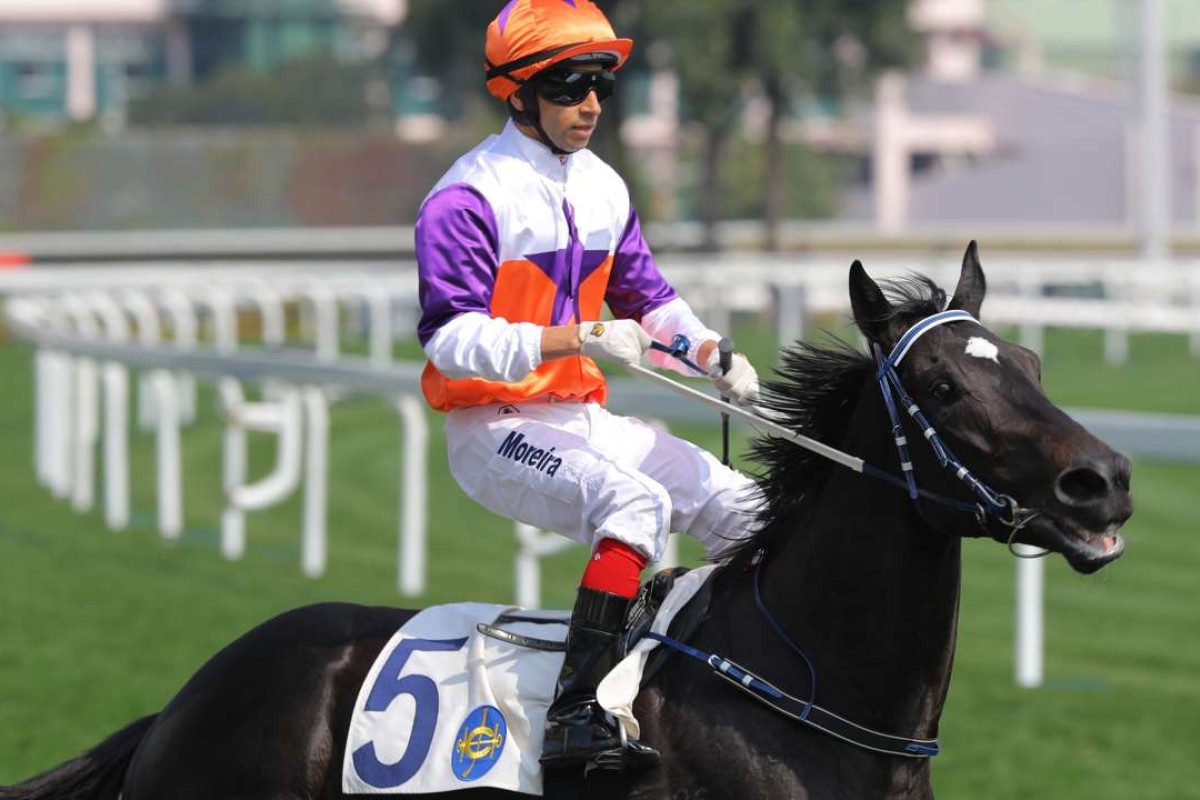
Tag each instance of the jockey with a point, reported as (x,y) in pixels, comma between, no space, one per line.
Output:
(518,247)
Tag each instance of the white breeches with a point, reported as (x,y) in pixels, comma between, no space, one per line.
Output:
(587,474)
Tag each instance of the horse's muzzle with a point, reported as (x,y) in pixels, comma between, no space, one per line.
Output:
(1095,491)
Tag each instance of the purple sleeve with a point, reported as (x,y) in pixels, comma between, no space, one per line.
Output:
(457,256)
(636,287)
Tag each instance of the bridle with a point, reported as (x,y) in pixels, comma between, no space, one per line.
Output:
(991,504)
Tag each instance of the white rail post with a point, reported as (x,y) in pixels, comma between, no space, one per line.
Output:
(1194,297)
(223,313)
(414,494)
(116,417)
(270,313)
(1116,344)
(185,333)
(62,428)
(269,303)
(791,312)
(233,467)
(1032,333)
(224,319)
(314,549)
(170,468)
(86,412)
(53,392)
(379,314)
(283,418)
(149,332)
(324,303)
(1030,642)
(532,546)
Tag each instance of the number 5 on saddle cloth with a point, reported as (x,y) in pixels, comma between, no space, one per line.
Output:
(459,695)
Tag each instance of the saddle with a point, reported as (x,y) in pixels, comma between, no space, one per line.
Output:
(642,613)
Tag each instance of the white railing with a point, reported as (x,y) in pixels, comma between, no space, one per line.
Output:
(84,323)
(82,336)
(1117,297)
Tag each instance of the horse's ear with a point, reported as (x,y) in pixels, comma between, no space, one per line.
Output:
(872,311)
(972,286)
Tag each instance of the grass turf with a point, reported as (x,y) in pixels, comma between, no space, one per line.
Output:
(99,627)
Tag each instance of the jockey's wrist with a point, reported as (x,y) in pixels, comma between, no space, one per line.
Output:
(559,341)
(704,351)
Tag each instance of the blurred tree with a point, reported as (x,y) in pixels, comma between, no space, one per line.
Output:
(823,48)
(449,39)
(711,44)
(788,50)
(312,91)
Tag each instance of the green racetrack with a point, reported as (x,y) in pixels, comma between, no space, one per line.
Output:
(97,627)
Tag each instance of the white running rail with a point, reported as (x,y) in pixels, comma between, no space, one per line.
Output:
(85,342)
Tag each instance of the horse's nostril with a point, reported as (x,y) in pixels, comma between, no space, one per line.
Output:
(1081,486)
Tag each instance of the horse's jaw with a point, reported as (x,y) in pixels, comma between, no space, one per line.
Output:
(1086,551)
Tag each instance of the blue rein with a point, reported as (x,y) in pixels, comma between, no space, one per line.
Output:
(678,348)
(804,711)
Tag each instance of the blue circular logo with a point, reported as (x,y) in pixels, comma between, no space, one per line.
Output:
(479,743)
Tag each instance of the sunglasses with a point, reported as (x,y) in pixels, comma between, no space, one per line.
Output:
(570,88)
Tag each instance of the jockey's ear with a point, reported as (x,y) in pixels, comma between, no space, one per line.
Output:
(972,286)
(872,311)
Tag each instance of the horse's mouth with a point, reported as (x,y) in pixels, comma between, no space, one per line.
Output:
(1086,551)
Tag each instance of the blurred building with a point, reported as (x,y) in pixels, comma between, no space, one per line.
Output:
(1094,37)
(76,60)
(1023,113)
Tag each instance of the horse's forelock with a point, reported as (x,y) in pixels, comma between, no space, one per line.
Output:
(914,297)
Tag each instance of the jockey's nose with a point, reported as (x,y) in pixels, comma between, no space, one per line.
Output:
(1097,484)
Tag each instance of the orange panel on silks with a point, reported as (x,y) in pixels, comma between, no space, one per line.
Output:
(524,293)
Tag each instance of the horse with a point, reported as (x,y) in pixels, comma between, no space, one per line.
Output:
(844,598)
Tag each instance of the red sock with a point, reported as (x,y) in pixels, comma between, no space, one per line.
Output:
(615,568)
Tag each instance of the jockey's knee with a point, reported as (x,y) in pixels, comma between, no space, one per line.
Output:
(727,518)
(635,510)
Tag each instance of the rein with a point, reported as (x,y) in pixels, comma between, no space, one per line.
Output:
(804,711)
(991,504)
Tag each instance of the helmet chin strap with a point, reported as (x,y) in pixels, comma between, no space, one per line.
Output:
(531,117)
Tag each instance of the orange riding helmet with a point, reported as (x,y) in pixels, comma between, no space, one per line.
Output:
(529,36)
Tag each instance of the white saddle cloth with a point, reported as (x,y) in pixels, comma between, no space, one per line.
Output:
(446,708)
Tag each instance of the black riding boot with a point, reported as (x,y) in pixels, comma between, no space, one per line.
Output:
(578,730)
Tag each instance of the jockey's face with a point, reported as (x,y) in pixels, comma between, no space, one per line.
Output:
(569,127)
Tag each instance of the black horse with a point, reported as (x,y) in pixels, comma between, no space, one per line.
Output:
(853,571)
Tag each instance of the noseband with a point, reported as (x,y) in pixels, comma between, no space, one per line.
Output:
(991,504)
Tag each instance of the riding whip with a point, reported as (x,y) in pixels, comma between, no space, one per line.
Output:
(725,351)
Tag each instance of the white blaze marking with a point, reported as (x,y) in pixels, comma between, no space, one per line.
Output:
(982,348)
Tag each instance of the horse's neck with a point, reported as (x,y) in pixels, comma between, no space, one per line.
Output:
(870,594)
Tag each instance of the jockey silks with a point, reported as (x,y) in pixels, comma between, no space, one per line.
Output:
(513,238)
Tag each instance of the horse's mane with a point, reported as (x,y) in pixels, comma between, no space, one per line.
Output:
(814,392)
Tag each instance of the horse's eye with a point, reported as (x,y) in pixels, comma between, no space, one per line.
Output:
(943,391)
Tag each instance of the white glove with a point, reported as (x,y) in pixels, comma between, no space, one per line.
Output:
(620,340)
(740,383)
